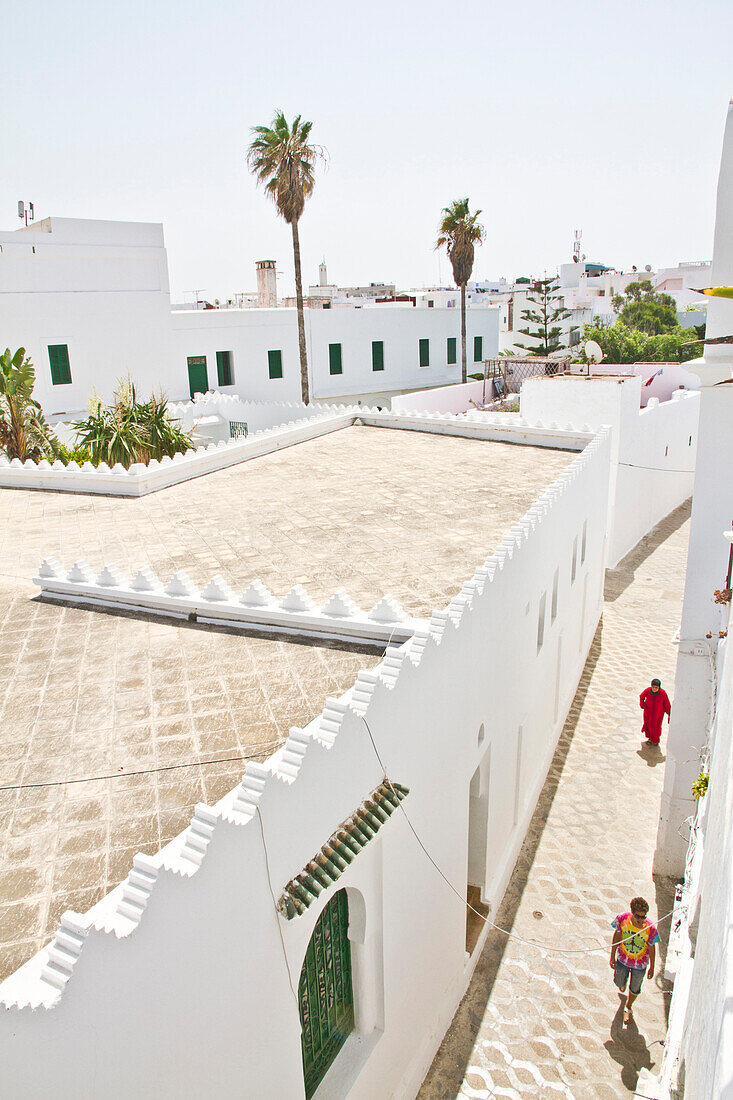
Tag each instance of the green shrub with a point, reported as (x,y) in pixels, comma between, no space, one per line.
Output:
(129,431)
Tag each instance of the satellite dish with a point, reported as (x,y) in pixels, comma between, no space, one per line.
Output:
(593,352)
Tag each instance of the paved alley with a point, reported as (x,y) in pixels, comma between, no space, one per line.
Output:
(536,1023)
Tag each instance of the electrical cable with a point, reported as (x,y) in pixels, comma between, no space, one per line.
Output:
(274,902)
(264,751)
(654,469)
(487,920)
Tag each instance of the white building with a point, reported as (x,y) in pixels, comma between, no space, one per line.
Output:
(90,302)
(697,839)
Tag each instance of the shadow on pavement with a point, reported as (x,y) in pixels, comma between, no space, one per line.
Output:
(627,1046)
(664,889)
(652,755)
(619,579)
(461,1035)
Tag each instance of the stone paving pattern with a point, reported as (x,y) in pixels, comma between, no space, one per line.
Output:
(540,1024)
(85,693)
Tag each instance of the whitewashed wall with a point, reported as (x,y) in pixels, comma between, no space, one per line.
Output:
(180,973)
(102,289)
(698,1054)
(446,399)
(250,334)
(656,468)
(652,449)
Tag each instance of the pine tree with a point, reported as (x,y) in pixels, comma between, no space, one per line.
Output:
(544,317)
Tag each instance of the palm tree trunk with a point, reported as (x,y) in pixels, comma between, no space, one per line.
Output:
(301,319)
(463,332)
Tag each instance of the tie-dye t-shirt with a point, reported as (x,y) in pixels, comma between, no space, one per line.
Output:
(633,951)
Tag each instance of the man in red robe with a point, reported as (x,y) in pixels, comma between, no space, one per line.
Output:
(654,702)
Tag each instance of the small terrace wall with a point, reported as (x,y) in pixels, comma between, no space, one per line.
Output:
(445,399)
(188,973)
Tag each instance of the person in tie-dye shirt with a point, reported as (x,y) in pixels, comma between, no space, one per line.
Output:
(633,950)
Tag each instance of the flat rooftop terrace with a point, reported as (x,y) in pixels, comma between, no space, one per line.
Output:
(94,705)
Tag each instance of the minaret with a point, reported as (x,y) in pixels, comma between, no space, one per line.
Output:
(266,284)
(322,274)
(707,556)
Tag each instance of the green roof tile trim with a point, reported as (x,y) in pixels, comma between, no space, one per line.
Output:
(342,846)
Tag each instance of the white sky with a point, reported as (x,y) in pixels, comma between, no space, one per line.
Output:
(549,116)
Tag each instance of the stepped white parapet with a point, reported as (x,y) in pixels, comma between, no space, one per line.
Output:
(256,608)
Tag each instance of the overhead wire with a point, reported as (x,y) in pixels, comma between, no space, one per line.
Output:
(550,948)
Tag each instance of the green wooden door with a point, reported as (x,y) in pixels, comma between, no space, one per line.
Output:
(198,379)
(325,992)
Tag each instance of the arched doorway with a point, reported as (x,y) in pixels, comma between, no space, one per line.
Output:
(325,992)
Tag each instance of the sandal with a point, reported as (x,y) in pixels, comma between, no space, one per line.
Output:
(628,1017)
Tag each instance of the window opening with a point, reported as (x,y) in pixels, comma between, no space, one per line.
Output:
(275,364)
(424,353)
(555,586)
(451,351)
(325,992)
(58,357)
(334,359)
(377,355)
(478,349)
(574,561)
(518,776)
(224,368)
(541,622)
(583,541)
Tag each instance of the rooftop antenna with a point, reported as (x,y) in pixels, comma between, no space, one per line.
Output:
(26,211)
(576,247)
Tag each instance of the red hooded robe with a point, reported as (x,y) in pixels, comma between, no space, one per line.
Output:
(655,707)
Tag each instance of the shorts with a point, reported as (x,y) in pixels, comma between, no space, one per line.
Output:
(622,974)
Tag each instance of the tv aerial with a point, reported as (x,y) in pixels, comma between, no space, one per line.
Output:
(577,256)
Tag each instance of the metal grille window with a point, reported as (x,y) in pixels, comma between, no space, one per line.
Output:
(325,992)
(237,429)
(58,357)
(224,368)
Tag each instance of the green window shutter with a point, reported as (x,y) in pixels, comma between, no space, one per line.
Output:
(424,353)
(377,355)
(478,349)
(334,359)
(224,368)
(275,364)
(58,357)
(452,350)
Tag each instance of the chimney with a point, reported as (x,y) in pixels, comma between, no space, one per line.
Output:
(266,284)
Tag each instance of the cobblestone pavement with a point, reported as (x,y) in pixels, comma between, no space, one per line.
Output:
(539,1024)
(84,693)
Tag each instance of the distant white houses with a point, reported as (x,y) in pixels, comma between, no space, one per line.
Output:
(587,290)
(90,301)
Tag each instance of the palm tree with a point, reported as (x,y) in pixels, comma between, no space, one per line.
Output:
(24,432)
(459,231)
(284,162)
